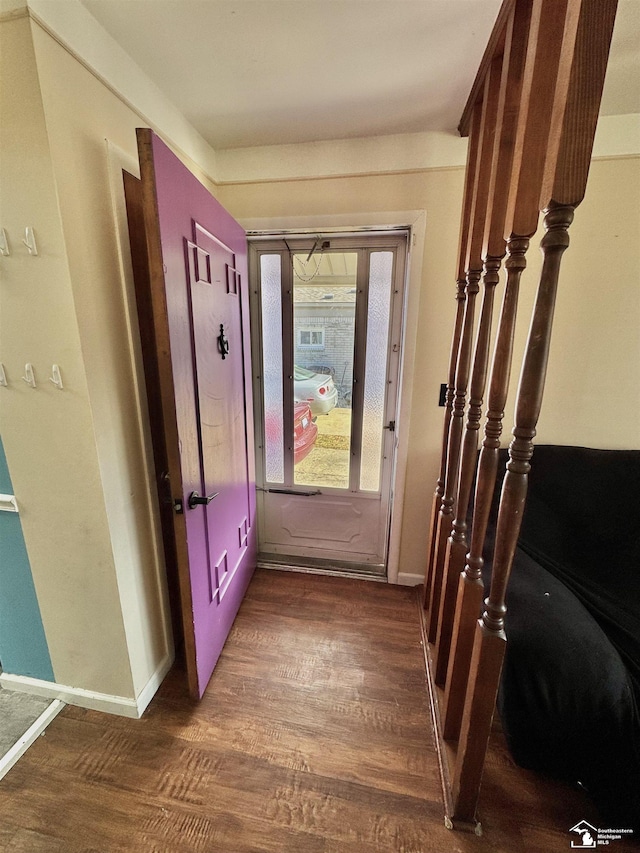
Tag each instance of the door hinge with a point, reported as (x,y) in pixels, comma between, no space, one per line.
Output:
(391,426)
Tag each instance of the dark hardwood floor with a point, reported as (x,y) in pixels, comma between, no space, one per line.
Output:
(314,736)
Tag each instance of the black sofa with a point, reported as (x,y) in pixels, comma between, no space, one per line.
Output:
(569,698)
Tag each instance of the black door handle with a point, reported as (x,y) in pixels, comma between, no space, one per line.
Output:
(223,343)
(195,499)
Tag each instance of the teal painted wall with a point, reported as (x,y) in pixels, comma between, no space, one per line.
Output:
(23,645)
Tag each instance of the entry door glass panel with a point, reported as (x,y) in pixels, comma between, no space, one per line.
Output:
(271,304)
(328,322)
(375,382)
(324,314)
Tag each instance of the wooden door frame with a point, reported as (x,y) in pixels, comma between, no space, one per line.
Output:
(415,222)
(148,275)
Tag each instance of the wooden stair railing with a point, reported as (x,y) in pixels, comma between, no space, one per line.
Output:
(450,392)
(550,59)
(443,500)
(470,587)
(439,601)
(479,210)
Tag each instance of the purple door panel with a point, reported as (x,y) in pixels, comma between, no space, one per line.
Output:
(205,270)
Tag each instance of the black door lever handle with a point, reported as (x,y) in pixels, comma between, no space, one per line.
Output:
(223,343)
(195,499)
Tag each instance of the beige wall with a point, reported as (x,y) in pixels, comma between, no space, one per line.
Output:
(80,112)
(48,434)
(595,353)
(79,458)
(593,384)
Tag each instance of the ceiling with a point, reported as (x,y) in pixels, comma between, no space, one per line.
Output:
(265,72)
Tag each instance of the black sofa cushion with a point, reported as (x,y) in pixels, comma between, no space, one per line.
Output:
(582,523)
(570,687)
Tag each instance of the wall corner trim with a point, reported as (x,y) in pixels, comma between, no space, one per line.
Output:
(408,579)
(151,687)
(122,706)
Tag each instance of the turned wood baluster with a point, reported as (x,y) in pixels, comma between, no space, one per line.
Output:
(576,104)
(456,547)
(557,220)
(469,566)
(441,516)
(471,589)
(487,240)
(585,29)
(476,658)
(572,129)
(439,493)
(490,639)
(445,516)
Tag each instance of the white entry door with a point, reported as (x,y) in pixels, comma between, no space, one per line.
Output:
(327,327)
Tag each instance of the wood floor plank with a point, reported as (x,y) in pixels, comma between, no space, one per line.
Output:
(313,737)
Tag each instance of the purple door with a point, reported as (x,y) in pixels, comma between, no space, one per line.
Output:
(194,308)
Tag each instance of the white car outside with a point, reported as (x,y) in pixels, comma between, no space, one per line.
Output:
(316,389)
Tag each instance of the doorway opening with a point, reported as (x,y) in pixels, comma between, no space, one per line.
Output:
(327,319)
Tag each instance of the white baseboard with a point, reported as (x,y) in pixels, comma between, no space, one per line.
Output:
(407,579)
(120,705)
(33,732)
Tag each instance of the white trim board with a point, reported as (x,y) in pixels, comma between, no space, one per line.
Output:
(387,155)
(122,706)
(29,737)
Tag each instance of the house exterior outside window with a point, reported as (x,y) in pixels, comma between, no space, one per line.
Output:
(324,328)
(311,338)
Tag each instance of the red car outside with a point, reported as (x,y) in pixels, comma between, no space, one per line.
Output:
(304,432)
